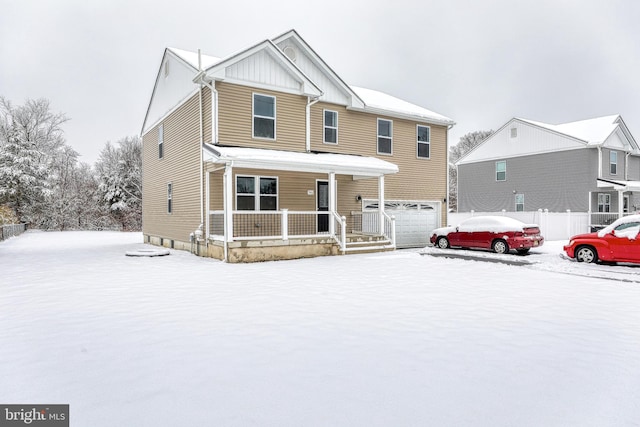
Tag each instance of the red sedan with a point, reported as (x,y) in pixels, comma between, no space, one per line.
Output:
(618,242)
(498,233)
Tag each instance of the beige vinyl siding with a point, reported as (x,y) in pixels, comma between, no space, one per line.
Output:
(235,119)
(178,166)
(418,179)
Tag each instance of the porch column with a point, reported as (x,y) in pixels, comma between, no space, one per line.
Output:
(207,209)
(332,202)
(228,205)
(620,203)
(381,204)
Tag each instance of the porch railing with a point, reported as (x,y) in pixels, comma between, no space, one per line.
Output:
(368,222)
(282,224)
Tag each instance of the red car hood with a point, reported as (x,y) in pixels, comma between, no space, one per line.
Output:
(585,236)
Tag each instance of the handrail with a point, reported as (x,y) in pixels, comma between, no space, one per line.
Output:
(391,221)
(342,241)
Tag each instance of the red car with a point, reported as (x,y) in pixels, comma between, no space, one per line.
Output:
(498,233)
(618,242)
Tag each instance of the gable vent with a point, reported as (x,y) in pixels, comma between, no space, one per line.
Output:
(291,53)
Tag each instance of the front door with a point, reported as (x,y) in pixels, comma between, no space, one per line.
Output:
(323,206)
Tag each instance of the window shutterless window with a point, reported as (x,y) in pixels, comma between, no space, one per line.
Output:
(385,136)
(604,202)
(256,193)
(501,170)
(264,116)
(169,197)
(160,141)
(424,142)
(519,202)
(613,162)
(330,127)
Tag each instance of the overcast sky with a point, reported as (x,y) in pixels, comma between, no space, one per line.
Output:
(477,62)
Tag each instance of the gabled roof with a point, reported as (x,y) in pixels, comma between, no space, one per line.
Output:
(259,158)
(592,131)
(606,131)
(360,99)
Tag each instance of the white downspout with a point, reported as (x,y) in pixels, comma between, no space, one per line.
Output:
(626,166)
(310,102)
(599,161)
(201,143)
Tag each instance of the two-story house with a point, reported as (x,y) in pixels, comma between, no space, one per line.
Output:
(585,166)
(268,154)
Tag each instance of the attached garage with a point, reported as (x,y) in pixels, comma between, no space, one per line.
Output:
(415,219)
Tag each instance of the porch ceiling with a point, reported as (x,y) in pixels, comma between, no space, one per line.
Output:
(257,158)
(619,185)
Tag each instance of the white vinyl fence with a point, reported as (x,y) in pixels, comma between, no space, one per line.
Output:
(553,225)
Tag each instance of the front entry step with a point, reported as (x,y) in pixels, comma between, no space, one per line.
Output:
(367,244)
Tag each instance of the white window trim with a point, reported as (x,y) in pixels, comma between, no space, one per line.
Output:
(256,192)
(516,202)
(325,126)
(254,115)
(418,156)
(169,197)
(607,197)
(384,136)
(505,171)
(161,141)
(611,163)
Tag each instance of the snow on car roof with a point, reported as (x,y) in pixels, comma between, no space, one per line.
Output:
(493,223)
(624,220)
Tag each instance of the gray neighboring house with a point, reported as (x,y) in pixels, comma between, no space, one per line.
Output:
(585,166)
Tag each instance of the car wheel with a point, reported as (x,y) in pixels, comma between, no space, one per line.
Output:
(523,251)
(586,254)
(442,242)
(500,247)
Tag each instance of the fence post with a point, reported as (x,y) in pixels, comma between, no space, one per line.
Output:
(393,230)
(285,224)
(472,212)
(569,232)
(504,212)
(343,233)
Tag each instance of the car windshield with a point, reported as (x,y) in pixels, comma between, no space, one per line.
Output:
(631,220)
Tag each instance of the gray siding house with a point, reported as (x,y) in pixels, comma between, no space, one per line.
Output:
(585,166)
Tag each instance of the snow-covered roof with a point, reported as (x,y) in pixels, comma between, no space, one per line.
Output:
(191,58)
(592,131)
(374,99)
(259,158)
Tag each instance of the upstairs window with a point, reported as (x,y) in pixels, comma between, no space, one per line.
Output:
(264,116)
(330,127)
(613,162)
(424,142)
(519,202)
(160,141)
(385,135)
(514,132)
(169,197)
(256,193)
(501,170)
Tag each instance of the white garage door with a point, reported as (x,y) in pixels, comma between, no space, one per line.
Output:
(414,220)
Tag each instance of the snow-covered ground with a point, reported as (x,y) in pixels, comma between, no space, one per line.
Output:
(393,339)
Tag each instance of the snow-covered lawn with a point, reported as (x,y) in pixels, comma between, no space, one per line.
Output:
(393,339)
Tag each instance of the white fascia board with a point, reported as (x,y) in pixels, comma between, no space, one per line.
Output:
(515,156)
(307,87)
(153,92)
(356,101)
(178,105)
(399,115)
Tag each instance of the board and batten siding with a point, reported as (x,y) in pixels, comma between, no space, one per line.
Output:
(178,166)
(554,181)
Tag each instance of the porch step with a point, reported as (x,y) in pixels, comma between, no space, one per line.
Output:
(369,246)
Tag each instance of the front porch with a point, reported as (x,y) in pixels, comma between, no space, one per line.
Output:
(615,200)
(252,217)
